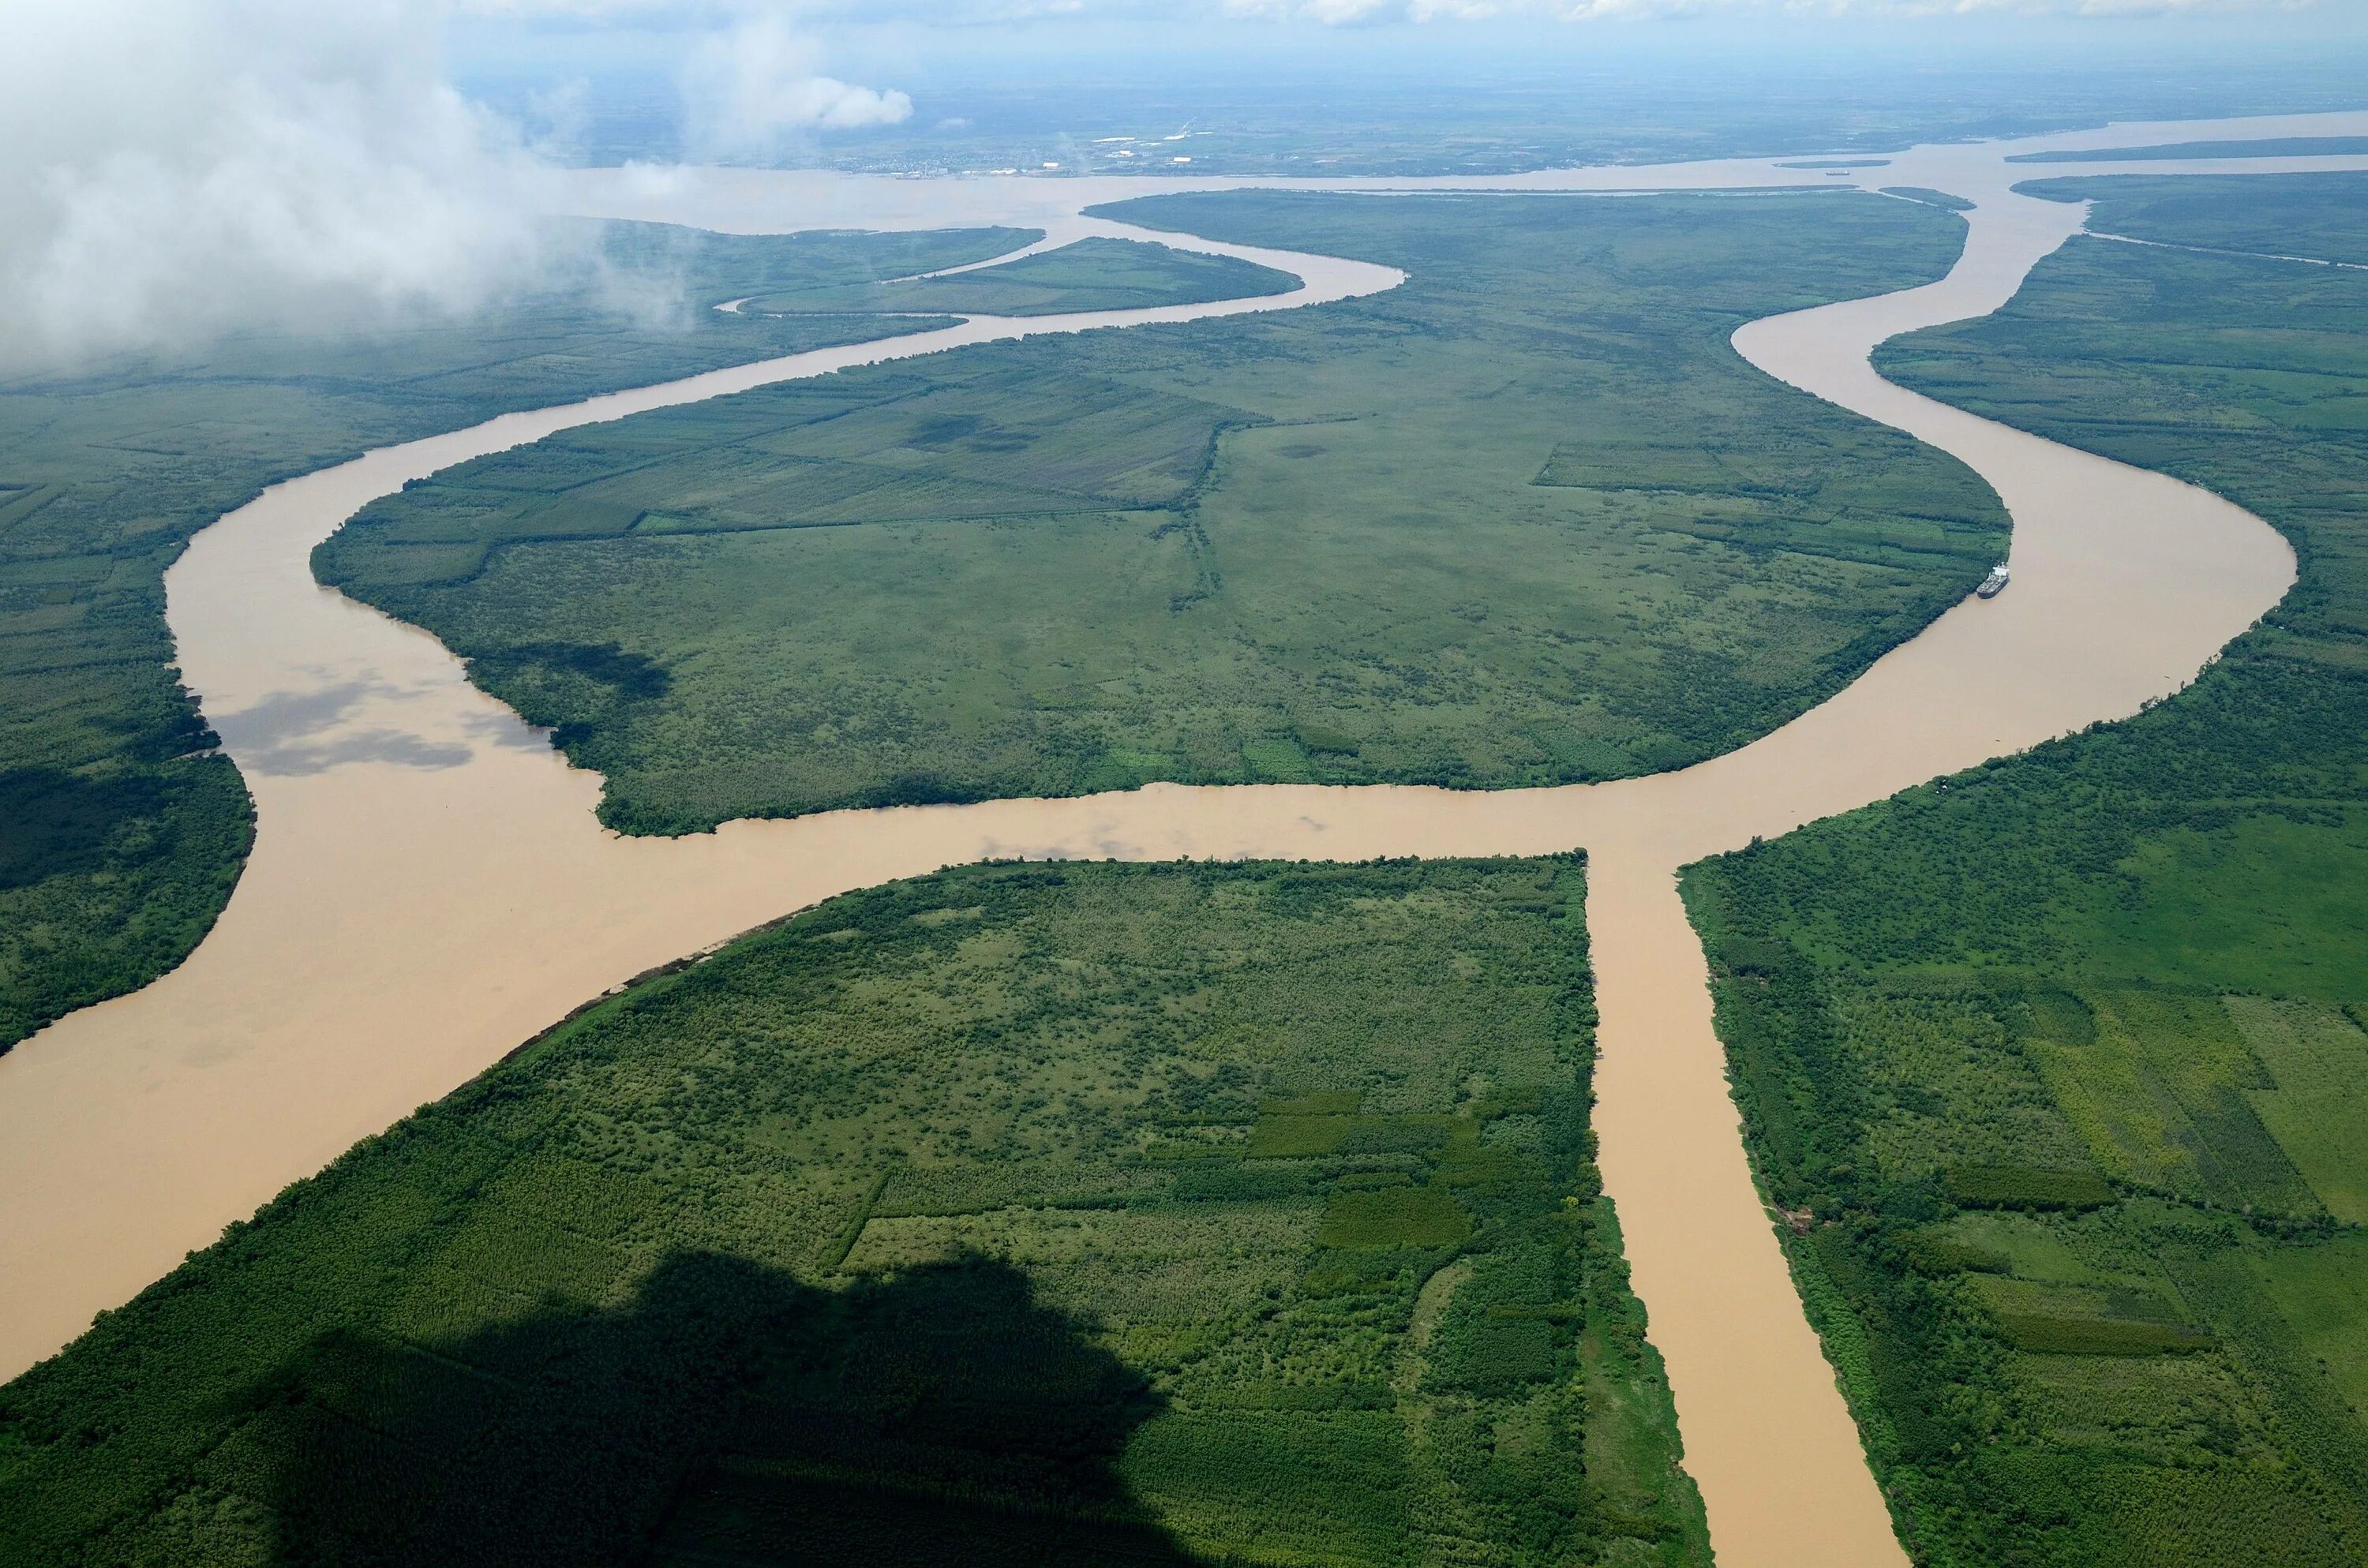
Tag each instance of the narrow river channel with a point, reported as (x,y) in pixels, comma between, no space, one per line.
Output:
(429,887)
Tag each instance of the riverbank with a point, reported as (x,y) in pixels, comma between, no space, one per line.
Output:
(428,871)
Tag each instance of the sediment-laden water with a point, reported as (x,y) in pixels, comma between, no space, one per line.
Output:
(429,886)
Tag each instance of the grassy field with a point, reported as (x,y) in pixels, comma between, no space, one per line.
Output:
(1012,1215)
(121,832)
(2064,1059)
(1090,275)
(1526,519)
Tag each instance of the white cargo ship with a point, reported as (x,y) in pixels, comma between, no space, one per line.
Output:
(1995,583)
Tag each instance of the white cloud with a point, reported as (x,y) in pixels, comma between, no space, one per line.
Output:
(1364,12)
(177,168)
(747,90)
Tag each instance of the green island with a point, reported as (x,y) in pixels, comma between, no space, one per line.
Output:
(1095,274)
(2057,1067)
(1927,195)
(1017,1214)
(1527,518)
(2267,147)
(123,830)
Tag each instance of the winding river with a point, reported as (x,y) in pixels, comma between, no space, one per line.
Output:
(429,886)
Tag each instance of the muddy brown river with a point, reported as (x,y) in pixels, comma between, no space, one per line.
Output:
(429,886)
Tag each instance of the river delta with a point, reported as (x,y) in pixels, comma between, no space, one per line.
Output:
(429,885)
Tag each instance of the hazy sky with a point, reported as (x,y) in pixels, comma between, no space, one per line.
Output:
(181,167)
(1364,12)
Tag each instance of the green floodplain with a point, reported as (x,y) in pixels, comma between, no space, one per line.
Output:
(2294,215)
(1018,1214)
(2058,1066)
(122,829)
(1527,518)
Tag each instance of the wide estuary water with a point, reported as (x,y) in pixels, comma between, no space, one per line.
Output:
(429,886)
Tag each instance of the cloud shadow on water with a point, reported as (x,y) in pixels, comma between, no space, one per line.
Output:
(396,746)
(283,718)
(287,734)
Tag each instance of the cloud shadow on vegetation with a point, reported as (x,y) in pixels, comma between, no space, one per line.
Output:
(725,1412)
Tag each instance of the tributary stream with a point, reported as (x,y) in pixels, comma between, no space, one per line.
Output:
(429,886)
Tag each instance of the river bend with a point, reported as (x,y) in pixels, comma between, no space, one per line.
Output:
(429,886)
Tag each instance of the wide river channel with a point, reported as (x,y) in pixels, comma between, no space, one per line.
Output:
(429,886)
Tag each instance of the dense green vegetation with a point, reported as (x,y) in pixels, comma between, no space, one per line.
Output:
(2305,215)
(2269,147)
(1527,518)
(1089,274)
(2058,1066)
(121,830)
(1012,1215)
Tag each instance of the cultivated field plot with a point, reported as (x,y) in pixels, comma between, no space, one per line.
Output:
(1461,532)
(2058,1066)
(1017,1214)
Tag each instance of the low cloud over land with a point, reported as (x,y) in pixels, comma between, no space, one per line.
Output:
(749,90)
(177,168)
